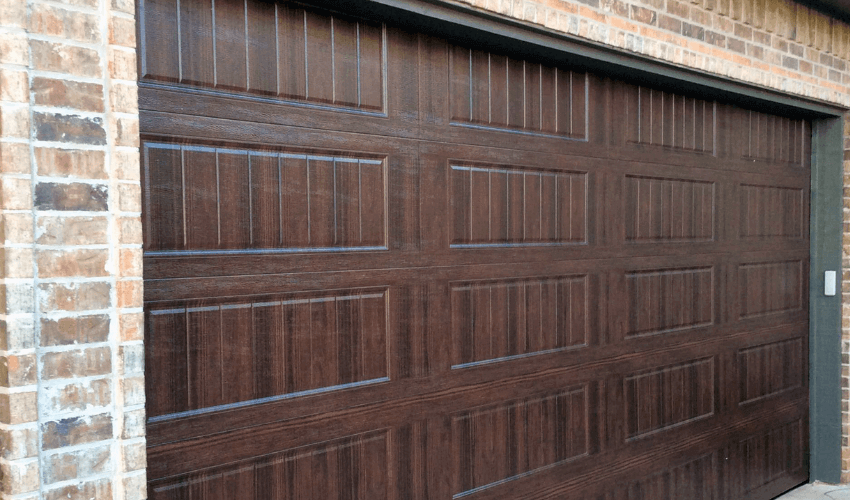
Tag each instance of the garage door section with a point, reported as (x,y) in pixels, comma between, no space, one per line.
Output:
(383,265)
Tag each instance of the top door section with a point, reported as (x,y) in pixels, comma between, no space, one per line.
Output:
(266,49)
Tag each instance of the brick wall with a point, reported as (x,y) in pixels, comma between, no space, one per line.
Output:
(71,365)
(71,354)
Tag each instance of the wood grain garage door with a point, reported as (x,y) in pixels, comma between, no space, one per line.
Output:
(381,265)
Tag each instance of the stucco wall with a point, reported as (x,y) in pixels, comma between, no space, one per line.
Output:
(71,376)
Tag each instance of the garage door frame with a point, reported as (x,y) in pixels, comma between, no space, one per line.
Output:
(826,213)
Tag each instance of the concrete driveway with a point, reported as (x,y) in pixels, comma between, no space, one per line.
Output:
(819,491)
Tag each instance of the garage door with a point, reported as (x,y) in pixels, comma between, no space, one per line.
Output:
(386,265)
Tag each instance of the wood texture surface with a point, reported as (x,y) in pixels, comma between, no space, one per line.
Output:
(385,265)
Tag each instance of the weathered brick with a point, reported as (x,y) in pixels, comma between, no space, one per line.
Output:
(129,197)
(91,4)
(75,330)
(83,164)
(16,332)
(125,130)
(135,487)
(17,262)
(669,23)
(796,49)
(736,45)
(72,263)
(701,17)
(72,230)
(743,31)
(124,98)
(122,31)
(64,23)
(680,9)
(134,424)
(78,363)
(76,464)
(14,158)
(13,13)
(693,31)
(18,408)
(724,24)
(18,443)
(644,15)
(122,64)
(125,6)
(15,193)
(18,477)
(131,231)
(86,296)
(75,430)
(75,396)
(715,38)
(133,390)
(126,165)
(14,121)
(64,93)
(762,38)
(13,85)
(617,7)
(16,228)
(73,196)
(791,62)
(132,359)
(129,293)
(806,67)
(131,262)
(18,370)
(62,58)
(100,489)
(13,49)
(18,297)
(62,127)
(755,51)
(134,456)
(130,325)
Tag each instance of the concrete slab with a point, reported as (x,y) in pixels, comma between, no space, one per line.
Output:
(818,491)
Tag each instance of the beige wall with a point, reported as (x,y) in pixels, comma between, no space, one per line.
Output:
(71,354)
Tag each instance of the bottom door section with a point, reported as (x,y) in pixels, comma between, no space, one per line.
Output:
(548,445)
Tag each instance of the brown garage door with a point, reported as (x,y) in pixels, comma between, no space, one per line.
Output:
(381,265)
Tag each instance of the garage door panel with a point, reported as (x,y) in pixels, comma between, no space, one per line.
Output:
(238,351)
(500,319)
(769,369)
(494,91)
(354,467)
(501,442)
(231,53)
(770,210)
(660,209)
(226,198)
(772,140)
(656,119)
(496,205)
